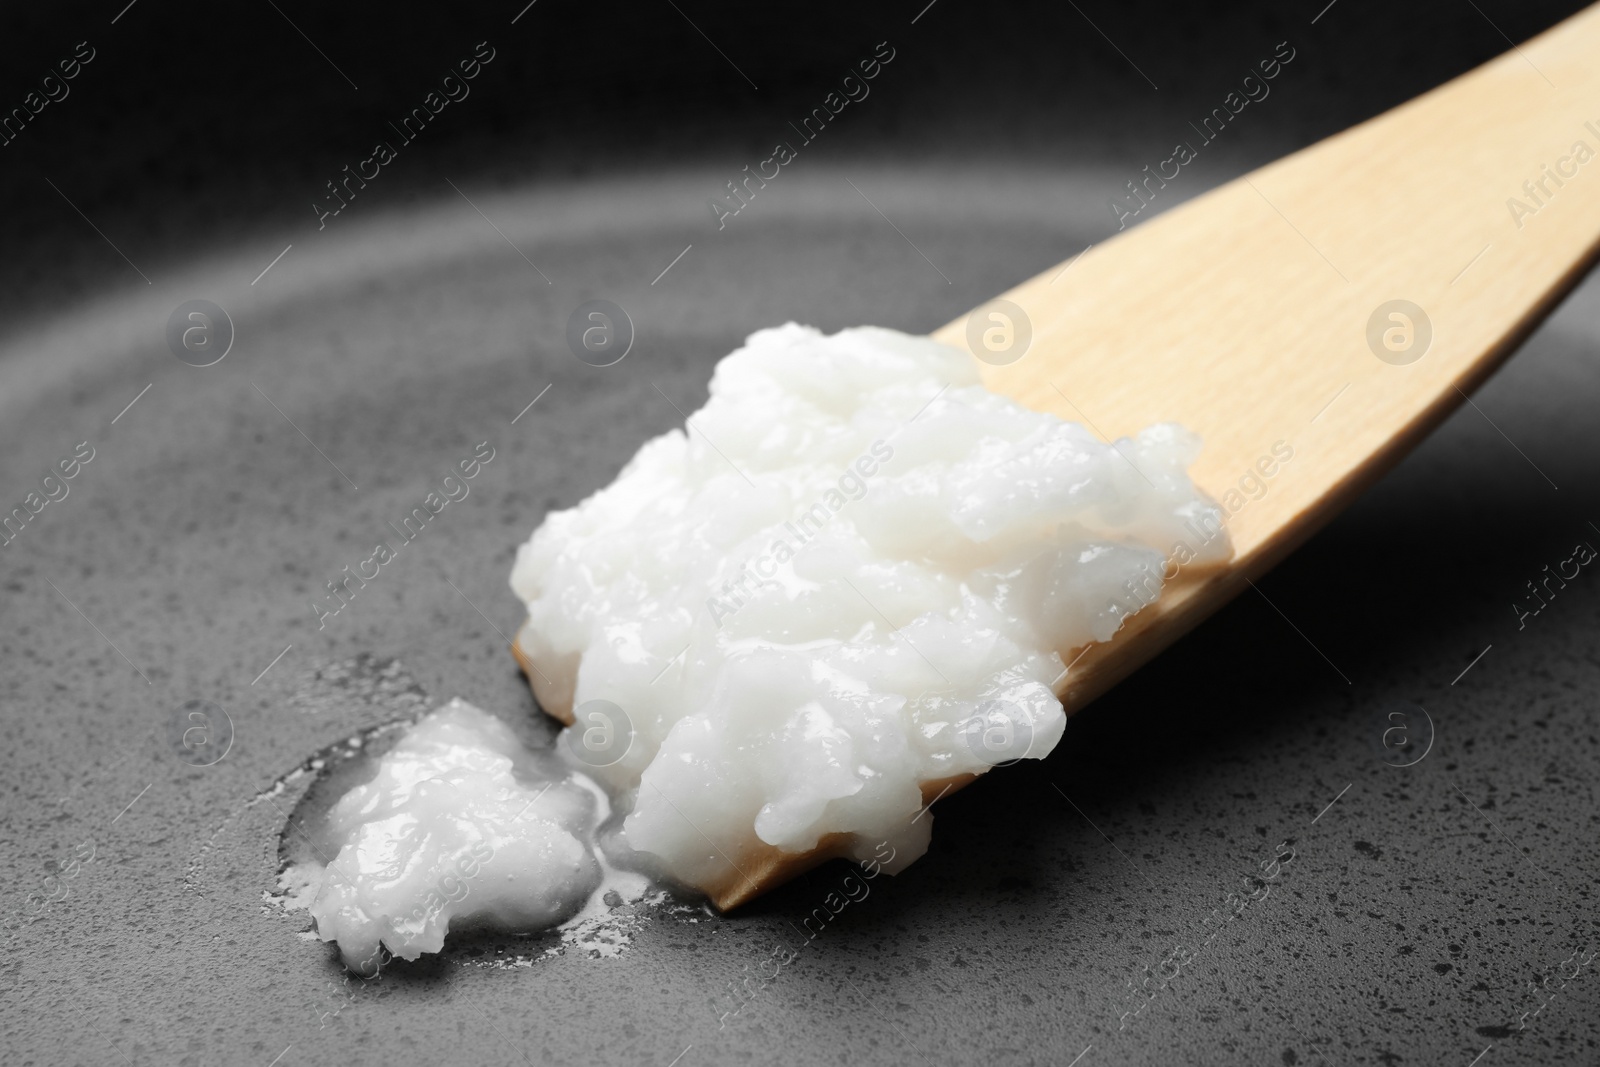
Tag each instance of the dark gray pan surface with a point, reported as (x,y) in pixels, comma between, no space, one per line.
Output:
(1408,926)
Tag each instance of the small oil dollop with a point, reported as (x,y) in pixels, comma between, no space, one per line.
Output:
(460,827)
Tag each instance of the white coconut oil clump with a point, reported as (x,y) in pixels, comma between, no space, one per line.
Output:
(461,827)
(855,574)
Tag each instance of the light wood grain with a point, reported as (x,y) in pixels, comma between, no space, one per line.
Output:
(1242,313)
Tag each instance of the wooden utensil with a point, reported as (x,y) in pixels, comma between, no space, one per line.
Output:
(1257,313)
(1335,305)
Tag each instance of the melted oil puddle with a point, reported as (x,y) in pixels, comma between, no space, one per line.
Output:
(301,806)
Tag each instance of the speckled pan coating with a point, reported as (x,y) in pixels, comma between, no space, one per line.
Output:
(1416,909)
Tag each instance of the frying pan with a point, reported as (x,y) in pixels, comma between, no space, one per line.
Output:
(1230,858)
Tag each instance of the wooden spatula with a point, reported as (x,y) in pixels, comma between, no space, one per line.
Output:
(1270,309)
(1312,321)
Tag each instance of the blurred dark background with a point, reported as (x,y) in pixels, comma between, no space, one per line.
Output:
(194,126)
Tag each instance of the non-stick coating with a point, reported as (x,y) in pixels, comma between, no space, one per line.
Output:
(1408,926)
